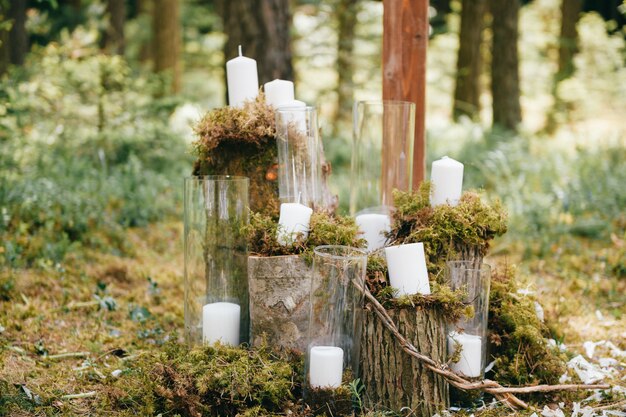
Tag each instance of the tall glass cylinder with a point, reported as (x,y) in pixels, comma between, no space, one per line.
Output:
(299,156)
(467,338)
(382,152)
(335,319)
(216,260)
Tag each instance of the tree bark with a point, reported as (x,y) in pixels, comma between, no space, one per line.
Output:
(113,38)
(468,67)
(346,15)
(394,379)
(18,38)
(505,64)
(5,56)
(261,27)
(568,42)
(167,40)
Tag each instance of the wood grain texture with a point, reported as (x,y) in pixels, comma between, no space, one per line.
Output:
(405,39)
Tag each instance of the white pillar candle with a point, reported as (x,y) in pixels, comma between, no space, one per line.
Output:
(296,115)
(242,80)
(374,226)
(220,321)
(407,268)
(294,219)
(278,92)
(326,367)
(446,178)
(470,363)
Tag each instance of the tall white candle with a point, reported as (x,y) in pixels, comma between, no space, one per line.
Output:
(220,321)
(470,363)
(242,80)
(326,367)
(407,268)
(446,179)
(374,226)
(278,92)
(294,219)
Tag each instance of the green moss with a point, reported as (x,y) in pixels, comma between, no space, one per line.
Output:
(447,232)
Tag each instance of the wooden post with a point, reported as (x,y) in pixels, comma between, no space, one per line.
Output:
(405,36)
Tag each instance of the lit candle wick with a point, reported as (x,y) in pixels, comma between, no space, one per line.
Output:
(240,53)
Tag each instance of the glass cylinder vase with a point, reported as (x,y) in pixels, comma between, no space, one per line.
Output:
(299,156)
(216,260)
(467,338)
(382,152)
(335,321)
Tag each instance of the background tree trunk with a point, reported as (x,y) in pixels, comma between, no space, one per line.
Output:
(505,64)
(568,41)
(346,16)
(18,38)
(392,378)
(261,27)
(167,39)
(113,38)
(467,88)
(5,56)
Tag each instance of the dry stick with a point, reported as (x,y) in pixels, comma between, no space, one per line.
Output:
(81,395)
(504,394)
(68,355)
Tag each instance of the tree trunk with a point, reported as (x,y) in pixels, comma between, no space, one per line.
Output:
(146,8)
(346,15)
(261,27)
(167,40)
(392,378)
(505,64)
(113,38)
(468,67)
(5,56)
(18,38)
(568,42)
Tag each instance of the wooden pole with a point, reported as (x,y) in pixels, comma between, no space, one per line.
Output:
(405,37)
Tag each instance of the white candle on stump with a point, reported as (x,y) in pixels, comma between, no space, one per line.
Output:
(446,179)
(470,363)
(278,92)
(374,226)
(325,367)
(294,219)
(407,268)
(220,321)
(242,80)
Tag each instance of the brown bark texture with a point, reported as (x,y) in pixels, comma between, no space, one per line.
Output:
(469,61)
(347,20)
(505,64)
(18,37)
(113,38)
(392,378)
(167,39)
(261,27)
(280,289)
(405,38)
(5,59)
(568,42)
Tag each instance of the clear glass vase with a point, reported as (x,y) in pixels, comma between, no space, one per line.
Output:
(382,152)
(467,338)
(216,260)
(300,156)
(335,321)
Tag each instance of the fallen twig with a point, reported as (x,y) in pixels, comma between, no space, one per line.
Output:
(81,395)
(68,355)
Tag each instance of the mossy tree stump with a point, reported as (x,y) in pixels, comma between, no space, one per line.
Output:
(392,378)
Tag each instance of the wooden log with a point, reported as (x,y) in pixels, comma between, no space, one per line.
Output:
(392,378)
(279,300)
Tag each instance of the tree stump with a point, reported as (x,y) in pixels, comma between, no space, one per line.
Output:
(280,289)
(392,378)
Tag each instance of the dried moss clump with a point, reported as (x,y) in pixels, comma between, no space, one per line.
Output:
(461,232)
(207,380)
(241,141)
(325,229)
(520,348)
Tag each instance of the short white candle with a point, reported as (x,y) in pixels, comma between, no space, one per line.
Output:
(374,226)
(294,219)
(278,92)
(446,179)
(242,80)
(294,112)
(220,321)
(326,367)
(407,268)
(471,346)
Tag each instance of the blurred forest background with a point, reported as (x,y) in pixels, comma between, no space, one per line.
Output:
(97,99)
